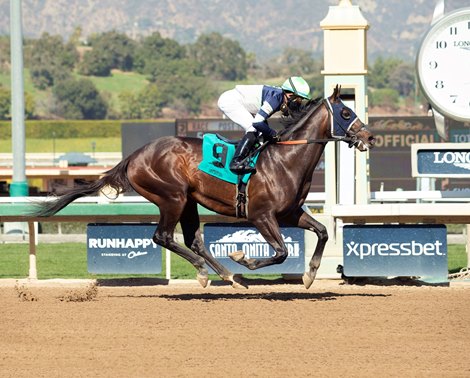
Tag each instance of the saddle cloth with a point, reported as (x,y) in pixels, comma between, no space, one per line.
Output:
(217,153)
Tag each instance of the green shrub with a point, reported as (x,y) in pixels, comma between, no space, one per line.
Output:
(65,129)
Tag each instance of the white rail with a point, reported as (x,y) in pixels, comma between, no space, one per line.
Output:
(395,211)
(312,197)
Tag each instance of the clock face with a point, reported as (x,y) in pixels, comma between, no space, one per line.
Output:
(443,65)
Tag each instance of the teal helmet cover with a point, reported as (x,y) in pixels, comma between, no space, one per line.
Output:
(298,86)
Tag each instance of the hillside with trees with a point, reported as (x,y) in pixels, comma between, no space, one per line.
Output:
(67,79)
(263,27)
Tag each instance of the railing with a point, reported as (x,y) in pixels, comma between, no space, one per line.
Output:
(387,207)
(89,209)
(421,196)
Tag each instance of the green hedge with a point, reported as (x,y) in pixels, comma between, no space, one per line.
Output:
(65,129)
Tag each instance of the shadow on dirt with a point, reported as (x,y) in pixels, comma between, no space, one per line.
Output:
(384,281)
(135,281)
(283,297)
(147,281)
(348,281)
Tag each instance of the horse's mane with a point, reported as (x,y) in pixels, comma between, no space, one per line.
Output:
(297,114)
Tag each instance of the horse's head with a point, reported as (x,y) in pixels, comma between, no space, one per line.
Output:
(346,125)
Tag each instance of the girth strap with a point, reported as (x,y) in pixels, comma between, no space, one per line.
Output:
(241,199)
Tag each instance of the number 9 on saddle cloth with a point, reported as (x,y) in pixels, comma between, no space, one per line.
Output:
(217,153)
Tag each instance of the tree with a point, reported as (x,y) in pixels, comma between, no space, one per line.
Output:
(5,104)
(162,70)
(110,50)
(402,78)
(95,64)
(219,57)
(381,70)
(297,62)
(4,53)
(76,36)
(385,97)
(130,106)
(79,99)
(145,104)
(156,48)
(150,101)
(180,82)
(50,60)
(188,92)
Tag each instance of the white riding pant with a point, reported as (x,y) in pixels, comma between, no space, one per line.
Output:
(231,103)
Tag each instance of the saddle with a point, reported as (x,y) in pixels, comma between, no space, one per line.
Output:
(217,153)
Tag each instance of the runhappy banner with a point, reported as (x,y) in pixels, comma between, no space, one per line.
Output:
(123,249)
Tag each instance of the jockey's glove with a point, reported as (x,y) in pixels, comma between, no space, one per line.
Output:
(264,128)
(274,139)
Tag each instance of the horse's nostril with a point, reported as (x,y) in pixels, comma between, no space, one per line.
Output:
(371,140)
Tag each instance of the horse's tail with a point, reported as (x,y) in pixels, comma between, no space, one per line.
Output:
(116,178)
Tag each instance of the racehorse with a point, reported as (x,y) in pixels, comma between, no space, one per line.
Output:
(165,172)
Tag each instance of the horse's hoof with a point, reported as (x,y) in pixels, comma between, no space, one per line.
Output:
(237,256)
(203,279)
(238,282)
(307,280)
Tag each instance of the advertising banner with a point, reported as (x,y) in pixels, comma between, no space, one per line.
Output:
(122,249)
(441,160)
(395,250)
(221,239)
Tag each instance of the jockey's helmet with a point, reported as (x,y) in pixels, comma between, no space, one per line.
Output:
(298,86)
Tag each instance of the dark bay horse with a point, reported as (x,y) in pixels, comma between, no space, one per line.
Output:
(165,172)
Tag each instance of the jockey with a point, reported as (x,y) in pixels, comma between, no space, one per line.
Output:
(251,105)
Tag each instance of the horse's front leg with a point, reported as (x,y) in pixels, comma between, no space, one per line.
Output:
(303,220)
(269,228)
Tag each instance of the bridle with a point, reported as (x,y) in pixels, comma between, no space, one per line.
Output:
(348,136)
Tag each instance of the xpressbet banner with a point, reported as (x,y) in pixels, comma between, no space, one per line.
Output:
(395,250)
(122,249)
(221,239)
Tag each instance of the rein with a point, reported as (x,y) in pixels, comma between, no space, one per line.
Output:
(309,141)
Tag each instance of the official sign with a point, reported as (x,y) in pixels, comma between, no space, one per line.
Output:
(122,249)
(441,160)
(395,250)
(221,239)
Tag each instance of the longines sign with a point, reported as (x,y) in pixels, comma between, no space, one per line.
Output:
(440,160)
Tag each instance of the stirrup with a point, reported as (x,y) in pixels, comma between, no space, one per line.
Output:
(242,169)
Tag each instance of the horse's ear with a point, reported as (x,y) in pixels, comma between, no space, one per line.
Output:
(337,92)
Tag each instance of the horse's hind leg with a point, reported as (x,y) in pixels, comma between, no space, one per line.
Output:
(170,213)
(190,225)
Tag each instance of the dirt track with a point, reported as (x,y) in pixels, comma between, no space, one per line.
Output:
(266,331)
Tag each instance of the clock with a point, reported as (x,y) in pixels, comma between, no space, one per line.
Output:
(443,65)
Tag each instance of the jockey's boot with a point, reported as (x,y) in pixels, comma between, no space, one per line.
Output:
(237,165)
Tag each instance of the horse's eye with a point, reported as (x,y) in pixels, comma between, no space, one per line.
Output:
(346,114)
